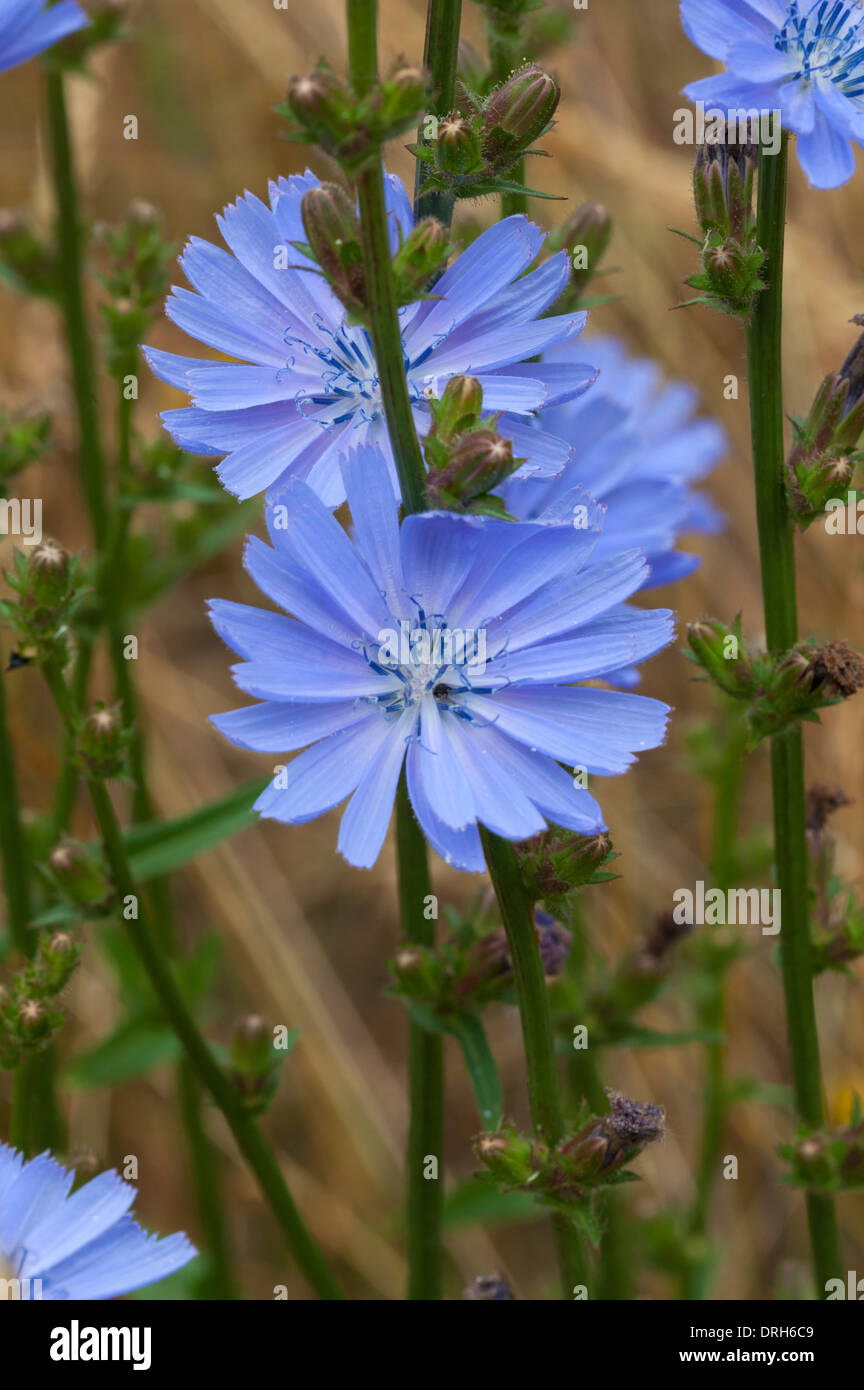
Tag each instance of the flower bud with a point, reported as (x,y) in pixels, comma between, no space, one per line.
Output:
(585,236)
(719,650)
(608,1142)
(102,742)
(420,257)
(403,98)
(487,961)
(33,1018)
(457,149)
(510,1157)
(459,408)
(554,942)
(333,233)
(254,1066)
(518,112)
(557,861)
(323,105)
(48,575)
(55,962)
(79,873)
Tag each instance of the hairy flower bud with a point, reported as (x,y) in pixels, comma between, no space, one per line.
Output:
(333,232)
(420,257)
(458,148)
(102,742)
(48,573)
(79,873)
(518,112)
(719,650)
(323,105)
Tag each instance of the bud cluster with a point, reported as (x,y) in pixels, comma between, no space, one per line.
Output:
(77,872)
(29,1016)
(481,139)
(557,862)
(333,240)
(352,126)
(135,278)
(777,689)
(822,460)
(103,741)
(566,1175)
(472,966)
(466,456)
(46,581)
(838,921)
(732,260)
(827,1161)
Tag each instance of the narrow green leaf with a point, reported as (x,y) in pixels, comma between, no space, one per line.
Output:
(482,1067)
(137,1046)
(159,847)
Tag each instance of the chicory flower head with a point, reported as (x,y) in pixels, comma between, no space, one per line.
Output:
(639,445)
(804,58)
(306,385)
(450,645)
(84,1246)
(28,27)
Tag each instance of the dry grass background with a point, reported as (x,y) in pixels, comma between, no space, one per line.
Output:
(306,936)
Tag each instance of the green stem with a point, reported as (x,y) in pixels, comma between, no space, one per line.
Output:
(777,555)
(70,251)
(204,1162)
(727,794)
(13,842)
(251,1142)
(383,316)
(441,59)
(544,1091)
(425,1069)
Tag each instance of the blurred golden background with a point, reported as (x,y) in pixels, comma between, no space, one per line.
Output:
(305,936)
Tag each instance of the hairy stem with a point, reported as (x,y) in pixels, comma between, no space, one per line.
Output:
(777,555)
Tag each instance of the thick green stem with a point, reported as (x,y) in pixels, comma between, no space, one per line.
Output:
(777,555)
(70,250)
(504,34)
(426,1070)
(383,316)
(426,1065)
(544,1090)
(441,59)
(250,1140)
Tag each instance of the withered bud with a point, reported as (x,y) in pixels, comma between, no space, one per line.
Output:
(824,799)
(836,670)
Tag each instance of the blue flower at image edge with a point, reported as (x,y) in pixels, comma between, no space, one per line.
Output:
(306,386)
(85,1246)
(27,27)
(481,740)
(804,58)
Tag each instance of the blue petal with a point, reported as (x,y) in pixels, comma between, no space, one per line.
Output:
(318,779)
(277,727)
(367,815)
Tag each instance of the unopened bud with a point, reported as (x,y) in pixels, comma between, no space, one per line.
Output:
(102,741)
(518,112)
(333,233)
(419,258)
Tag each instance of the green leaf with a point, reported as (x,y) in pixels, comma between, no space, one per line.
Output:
(583,1215)
(482,1067)
(138,1045)
(651,1037)
(158,847)
(480,1202)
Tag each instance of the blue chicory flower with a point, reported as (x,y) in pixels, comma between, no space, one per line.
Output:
(306,388)
(451,645)
(28,27)
(804,58)
(85,1246)
(639,445)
